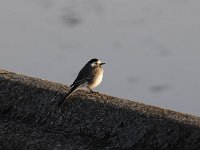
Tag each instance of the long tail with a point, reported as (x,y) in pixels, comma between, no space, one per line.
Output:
(66,96)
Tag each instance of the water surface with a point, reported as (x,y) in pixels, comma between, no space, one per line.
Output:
(151,48)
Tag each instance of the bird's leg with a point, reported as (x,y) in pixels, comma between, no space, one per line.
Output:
(92,90)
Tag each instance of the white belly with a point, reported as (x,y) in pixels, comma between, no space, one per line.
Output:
(97,80)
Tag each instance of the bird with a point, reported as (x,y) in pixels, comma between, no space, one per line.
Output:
(89,77)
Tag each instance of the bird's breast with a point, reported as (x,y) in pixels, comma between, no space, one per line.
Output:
(97,79)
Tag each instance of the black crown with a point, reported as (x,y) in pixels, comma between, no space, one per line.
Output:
(93,60)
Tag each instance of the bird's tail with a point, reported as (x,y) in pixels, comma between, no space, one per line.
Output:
(66,96)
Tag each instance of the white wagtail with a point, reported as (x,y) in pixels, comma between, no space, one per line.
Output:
(90,76)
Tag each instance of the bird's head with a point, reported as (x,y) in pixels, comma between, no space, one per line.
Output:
(95,63)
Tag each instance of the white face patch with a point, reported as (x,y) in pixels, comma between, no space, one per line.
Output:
(99,62)
(94,64)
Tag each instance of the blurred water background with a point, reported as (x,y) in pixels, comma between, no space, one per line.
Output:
(151,47)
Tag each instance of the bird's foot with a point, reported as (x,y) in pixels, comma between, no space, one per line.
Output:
(91,91)
(95,92)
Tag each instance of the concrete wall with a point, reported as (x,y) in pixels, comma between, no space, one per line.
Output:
(30,119)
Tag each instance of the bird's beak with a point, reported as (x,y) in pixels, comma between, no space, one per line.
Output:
(102,64)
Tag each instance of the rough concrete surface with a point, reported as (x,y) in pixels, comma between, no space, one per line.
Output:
(30,119)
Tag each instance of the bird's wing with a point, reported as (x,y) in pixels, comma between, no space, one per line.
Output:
(83,76)
(79,82)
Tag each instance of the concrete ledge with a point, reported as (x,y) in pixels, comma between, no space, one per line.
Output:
(29,119)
